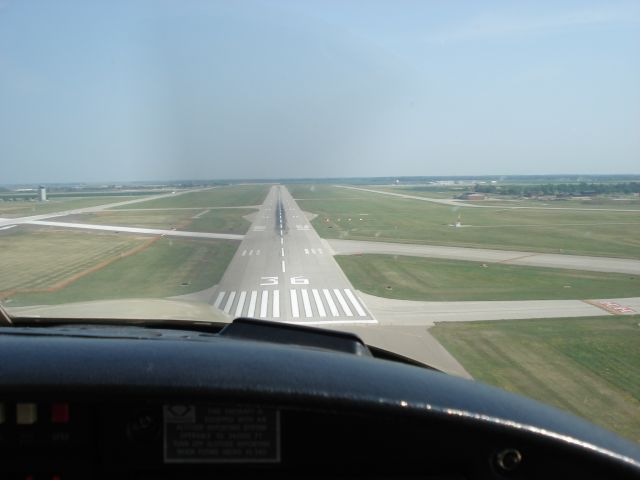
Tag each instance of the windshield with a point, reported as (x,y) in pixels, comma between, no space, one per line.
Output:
(456,182)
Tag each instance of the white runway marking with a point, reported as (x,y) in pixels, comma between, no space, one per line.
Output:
(307,304)
(227,307)
(219,299)
(250,252)
(306,251)
(252,304)
(319,305)
(263,303)
(240,306)
(257,252)
(7,227)
(313,251)
(276,304)
(295,311)
(259,228)
(332,322)
(343,303)
(332,305)
(355,303)
(244,252)
(320,251)
(281,241)
(282,251)
(283,268)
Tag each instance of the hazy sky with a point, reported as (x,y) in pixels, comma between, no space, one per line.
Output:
(157,90)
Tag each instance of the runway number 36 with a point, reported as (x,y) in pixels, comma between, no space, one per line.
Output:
(299,281)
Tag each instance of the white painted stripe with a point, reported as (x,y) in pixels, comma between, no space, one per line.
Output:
(219,299)
(7,227)
(320,251)
(355,303)
(227,307)
(295,311)
(306,251)
(240,305)
(343,303)
(258,252)
(275,310)
(244,252)
(252,304)
(283,269)
(282,251)
(313,250)
(319,304)
(331,322)
(307,304)
(263,303)
(250,252)
(332,305)
(281,241)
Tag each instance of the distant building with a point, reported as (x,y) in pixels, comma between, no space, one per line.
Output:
(42,193)
(472,196)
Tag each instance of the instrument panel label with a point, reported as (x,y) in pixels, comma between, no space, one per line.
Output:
(220,434)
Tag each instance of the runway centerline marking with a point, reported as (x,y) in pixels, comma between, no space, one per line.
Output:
(283,267)
(282,251)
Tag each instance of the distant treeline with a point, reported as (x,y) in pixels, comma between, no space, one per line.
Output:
(560,189)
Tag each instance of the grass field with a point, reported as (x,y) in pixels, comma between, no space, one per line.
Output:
(230,196)
(625,202)
(197,220)
(23,209)
(166,268)
(412,278)
(587,366)
(44,259)
(391,219)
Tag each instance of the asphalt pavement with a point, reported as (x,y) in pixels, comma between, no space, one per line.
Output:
(283,271)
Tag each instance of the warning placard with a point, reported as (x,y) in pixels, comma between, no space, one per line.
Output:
(220,434)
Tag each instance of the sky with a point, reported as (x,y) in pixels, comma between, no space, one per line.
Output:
(133,90)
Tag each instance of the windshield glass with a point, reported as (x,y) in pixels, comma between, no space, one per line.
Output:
(457,182)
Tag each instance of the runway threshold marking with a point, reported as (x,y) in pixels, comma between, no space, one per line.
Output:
(319,305)
(295,311)
(343,303)
(227,306)
(240,305)
(306,303)
(263,303)
(275,308)
(252,304)
(219,299)
(355,303)
(332,305)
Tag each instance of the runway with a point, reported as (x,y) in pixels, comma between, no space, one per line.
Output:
(282,271)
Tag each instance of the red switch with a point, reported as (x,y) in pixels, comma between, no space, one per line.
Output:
(60,413)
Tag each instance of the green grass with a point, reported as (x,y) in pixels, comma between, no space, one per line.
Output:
(215,221)
(167,268)
(229,196)
(587,366)
(414,278)
(23,209)
(391,219)
(43,258)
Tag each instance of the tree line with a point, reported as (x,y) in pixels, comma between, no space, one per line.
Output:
(560,189)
